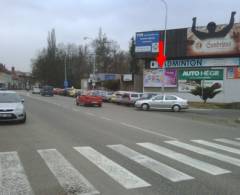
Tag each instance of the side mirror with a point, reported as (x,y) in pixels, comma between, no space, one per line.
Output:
(22,100)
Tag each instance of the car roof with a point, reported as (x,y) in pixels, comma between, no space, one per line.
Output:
(7,91)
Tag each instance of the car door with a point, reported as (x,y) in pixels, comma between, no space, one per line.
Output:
(157,102)
(169,101)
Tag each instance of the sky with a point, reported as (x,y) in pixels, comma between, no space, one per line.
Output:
(24,24)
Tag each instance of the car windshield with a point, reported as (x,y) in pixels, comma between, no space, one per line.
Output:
(9,98)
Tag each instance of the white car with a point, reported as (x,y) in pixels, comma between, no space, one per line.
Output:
(36,90)
(11,107)
(172,102)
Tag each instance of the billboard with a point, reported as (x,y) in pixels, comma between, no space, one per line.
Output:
(228,44)
(233,73)
(154,78)
(190,79)
(127,77)
(206,62)
(147,42)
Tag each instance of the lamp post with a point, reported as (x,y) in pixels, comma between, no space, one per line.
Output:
(65,71)
(94,63)
(165,40)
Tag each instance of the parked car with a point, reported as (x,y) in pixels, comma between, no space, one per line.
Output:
(129,98)
(89,98)
(107,96)
(117,96)
(163,102)
(11,107)
(47,90)
(72,92)
(36,90)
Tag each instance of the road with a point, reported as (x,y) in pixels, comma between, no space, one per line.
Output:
(116,150)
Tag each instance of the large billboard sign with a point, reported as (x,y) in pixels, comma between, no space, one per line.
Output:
(211,40)
(147,42)
(190,79)
(154,78)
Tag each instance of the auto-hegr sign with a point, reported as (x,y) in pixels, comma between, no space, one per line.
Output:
(214,74)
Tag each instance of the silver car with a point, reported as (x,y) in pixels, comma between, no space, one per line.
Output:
(11,107)
(172,102)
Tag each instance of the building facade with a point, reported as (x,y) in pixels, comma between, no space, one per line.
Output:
(195,57)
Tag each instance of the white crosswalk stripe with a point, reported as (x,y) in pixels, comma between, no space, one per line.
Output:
(217,146)
(157,167)
(227,141)
(13,179)
(117,172)
(205,152)
(203,166)
(68,177)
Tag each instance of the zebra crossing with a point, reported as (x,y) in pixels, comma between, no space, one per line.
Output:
(14,180)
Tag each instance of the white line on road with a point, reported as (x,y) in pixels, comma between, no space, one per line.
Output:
(227,141)
(157,167)
(68,177)
(217,146)
(148,131)
(237,138)
(13,179)
(117,172)
(203,166)
(106,118)
(204,152)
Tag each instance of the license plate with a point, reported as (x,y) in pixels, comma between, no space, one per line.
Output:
(5,115)
(94,102)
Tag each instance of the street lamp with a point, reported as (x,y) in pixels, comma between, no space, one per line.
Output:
(94,63)
(165,40)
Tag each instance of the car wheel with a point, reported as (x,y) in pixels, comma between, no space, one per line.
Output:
(145,107)
(24,119)
(176,108)
(100,105)
(77,103)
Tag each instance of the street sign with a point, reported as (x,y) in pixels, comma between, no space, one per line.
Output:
(65,84)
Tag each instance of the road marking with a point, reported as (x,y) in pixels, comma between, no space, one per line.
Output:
(13,179)
(217,146)
(237,138)
(157,167)
(90,114)
(209,153)
(148,131)
(203,166)
(227,141)
(105,118)
(68,177)
(117,172)
(76,110)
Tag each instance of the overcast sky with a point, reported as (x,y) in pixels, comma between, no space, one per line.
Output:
(24,24)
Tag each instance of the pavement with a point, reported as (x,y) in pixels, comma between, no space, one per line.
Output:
(66,149)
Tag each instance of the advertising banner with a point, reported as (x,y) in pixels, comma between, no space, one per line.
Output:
(189,79)
(233,73)
(127,77)
(154,78)
(207,62)
(203,43)
(147,42)
(201,74)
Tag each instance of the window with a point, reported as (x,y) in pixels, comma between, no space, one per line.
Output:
(134,95)
(169,97)
(159,97)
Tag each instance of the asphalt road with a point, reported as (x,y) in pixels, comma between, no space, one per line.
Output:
(116,150)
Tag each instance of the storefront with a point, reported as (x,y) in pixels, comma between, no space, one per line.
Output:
(192,61)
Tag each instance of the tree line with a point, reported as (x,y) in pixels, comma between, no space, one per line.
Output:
(48,66)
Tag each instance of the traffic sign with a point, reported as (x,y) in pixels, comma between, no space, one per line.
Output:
(65,84)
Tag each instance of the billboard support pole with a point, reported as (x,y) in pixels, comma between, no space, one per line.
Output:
(165,40)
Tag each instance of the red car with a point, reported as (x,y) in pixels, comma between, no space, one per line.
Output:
(90,98)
